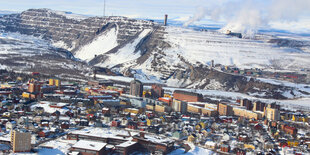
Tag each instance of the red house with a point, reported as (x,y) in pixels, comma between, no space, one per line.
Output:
(225,148)
(64,125)
(44,133)
(115,123)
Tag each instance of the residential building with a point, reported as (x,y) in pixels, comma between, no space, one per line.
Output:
(157,91)
(246,103)
(187,96)
(55,82)
(259,106)
(136,88)
(225,109)
(243,112)
(179,106)
(20,141)
(34,87)
(272,114)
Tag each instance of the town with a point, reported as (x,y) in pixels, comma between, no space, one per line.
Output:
(100,116)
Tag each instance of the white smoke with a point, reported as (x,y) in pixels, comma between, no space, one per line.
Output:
(247,16)
(200,14)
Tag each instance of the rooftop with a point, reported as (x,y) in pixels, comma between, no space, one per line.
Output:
(89,145)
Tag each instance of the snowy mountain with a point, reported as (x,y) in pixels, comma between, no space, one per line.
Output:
(5,12)
(176,56)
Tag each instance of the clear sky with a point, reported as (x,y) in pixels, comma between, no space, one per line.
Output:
(131,8)
(284,14)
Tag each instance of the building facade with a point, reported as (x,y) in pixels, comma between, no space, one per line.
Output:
(34,87)
(20,141)
(187,96)
(272,114)
(136,88)
(157,91)
(179,106)
(225,109)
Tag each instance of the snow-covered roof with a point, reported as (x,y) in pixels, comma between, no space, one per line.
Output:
(104,133)
(126,144)
(89,145)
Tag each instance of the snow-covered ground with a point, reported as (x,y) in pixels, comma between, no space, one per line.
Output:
(301,87)
(204,46)
(47,108)
(60,145)
(195,150)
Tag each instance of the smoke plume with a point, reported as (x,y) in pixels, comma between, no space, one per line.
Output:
(247,16)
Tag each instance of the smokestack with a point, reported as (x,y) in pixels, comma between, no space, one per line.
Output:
(166,19)
(95,72)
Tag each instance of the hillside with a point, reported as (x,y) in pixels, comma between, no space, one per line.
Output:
(175,56)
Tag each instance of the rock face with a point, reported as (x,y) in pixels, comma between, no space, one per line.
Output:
(134,48)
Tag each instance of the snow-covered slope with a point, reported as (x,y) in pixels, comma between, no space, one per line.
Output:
(127,53)
(24,53)
(100,45)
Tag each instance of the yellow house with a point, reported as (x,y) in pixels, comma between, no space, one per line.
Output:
(150,107)
(299,119)
(163,119)
(57,82)
(94,93)
(292,143)
(204,132)
(26,95)
(167,95)
(133,110)
(124,103)
(148,122)
(54,82)
(293,118)
(191,138)
(203,125)
(51,82)
(249,146)
(198,127)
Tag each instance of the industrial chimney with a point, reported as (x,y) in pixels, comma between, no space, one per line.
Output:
(166,18)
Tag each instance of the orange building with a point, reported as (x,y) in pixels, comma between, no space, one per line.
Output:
(225,109)
(34,87)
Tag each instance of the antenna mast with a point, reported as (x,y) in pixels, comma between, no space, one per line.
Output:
(104,8)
